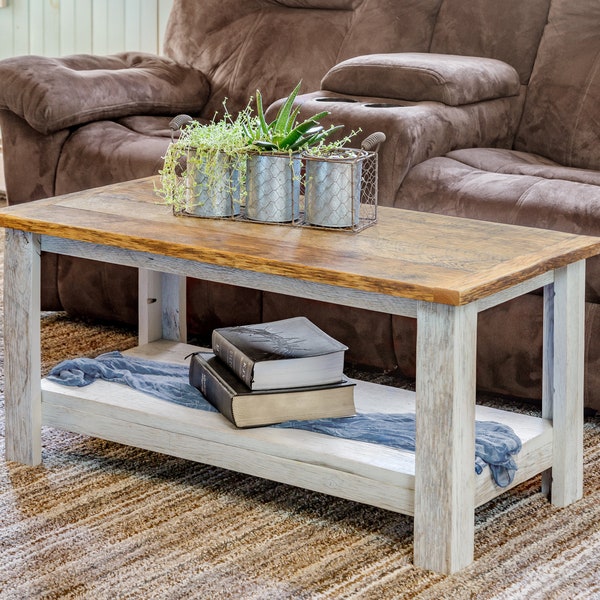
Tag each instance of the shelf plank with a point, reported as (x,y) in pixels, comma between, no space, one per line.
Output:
(360,471)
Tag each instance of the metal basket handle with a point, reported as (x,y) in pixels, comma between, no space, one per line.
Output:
(373,141)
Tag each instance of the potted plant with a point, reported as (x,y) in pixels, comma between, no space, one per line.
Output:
(334,181)
(273,171)
(204,170)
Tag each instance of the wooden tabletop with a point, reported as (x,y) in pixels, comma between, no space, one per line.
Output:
(408,254)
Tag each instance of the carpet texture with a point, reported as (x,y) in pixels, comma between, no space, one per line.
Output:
(102,521)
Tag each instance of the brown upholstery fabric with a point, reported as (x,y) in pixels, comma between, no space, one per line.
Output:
(560,118)
(106,87)
(509,30)
(30,159)
(264,43)
(111,152)
(418,131)
(417,76)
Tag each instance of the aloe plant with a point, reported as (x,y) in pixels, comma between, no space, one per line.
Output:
(284,133)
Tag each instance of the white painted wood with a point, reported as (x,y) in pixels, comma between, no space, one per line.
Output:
(63,27)
(36,30)
(149,306)
(548,371)
(563,380)
(359,471)
(76,27)
(143,19)
(22,347)
(162,306)
(311,476)
(222,274)
(514,292)
(51,28)
(445,442)
(174,326)
(164,9)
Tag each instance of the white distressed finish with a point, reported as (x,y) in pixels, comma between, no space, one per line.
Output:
(274,283)
(445,442)
(363,472)
(22,347)
(564,319)
(161,306)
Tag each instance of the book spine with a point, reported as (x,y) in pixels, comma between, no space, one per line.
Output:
(233,357)
(212,387)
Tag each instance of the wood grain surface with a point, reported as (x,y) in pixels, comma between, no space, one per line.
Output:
(407,254)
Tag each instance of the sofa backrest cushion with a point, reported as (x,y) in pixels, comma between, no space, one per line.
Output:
(242,45)
(561,118)
(509,30)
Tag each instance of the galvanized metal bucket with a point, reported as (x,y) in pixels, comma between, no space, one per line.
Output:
(333,189)
(213,188)
(273,187)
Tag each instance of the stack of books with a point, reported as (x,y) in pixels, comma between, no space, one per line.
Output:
(273,372)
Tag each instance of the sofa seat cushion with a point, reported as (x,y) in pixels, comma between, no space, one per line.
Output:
(509,187)
(499,160)
(112,151)
(416,76)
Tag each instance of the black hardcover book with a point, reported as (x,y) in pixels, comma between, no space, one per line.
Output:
(247,408)
(280,354)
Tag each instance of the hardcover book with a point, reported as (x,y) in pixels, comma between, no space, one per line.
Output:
(247,408)
(280,354)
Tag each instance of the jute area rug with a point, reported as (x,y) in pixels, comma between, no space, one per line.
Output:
(100,520)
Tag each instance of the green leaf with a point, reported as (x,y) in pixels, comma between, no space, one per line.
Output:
(265,145)
(297,133)
(281,123)
(261,114)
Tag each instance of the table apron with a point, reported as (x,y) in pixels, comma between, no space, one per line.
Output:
(312,290)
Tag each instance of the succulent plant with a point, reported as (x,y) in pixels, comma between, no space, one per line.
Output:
(284,133)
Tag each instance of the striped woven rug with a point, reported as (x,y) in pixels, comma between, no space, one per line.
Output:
(100,520)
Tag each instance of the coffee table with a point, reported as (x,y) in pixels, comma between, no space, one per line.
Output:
(440,270)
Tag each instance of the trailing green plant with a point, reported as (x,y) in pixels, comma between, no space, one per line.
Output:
(338,148)
(217,149)
(284,133)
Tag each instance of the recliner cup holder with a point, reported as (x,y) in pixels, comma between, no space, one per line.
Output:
(325,99)
(382,105)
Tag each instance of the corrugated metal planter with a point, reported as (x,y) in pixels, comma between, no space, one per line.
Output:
(333,188)
(273,187)
(213,186)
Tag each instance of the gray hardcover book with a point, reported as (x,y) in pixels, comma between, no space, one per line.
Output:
(280,354)
(248,408)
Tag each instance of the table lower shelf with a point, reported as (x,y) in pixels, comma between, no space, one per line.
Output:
(359,471)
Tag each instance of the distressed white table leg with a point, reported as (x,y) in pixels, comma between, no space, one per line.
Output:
(162,307)
(22,347)
(445,444)
(562,402)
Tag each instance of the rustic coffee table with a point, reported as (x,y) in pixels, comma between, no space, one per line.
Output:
(441,270)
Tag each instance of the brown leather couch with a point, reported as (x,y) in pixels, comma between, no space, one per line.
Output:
(491,110)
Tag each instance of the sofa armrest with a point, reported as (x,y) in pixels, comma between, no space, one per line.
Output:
(416,131)
(451,79)
(56,93)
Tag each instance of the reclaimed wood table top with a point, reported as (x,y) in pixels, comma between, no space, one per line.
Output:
(409,254)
